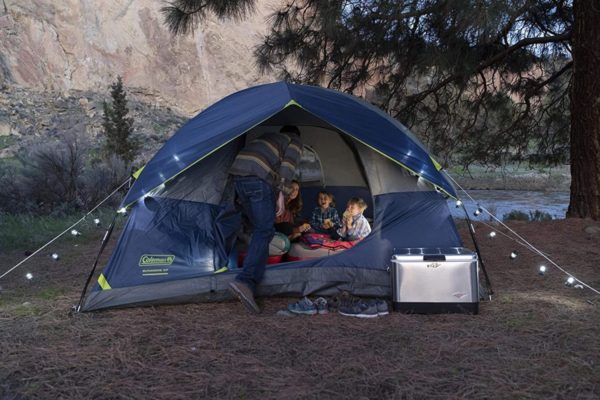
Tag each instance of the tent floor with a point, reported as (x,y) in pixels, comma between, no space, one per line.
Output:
(278,281)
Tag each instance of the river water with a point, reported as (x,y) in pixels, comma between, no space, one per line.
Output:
(501,202)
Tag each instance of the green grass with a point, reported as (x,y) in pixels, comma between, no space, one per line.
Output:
(51,293)
(7,140)
(8,162)
(25,309)
(28,232)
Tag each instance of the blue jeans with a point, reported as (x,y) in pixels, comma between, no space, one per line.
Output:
(257,201)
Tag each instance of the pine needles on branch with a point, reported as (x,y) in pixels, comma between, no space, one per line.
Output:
(118,127)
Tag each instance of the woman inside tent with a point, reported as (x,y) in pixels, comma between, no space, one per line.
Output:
(286,221)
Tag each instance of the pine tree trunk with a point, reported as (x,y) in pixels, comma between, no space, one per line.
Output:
(585,112)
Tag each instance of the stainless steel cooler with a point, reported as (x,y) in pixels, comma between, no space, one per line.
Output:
(435,280)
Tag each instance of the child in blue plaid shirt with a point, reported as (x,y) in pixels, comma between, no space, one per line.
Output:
(354,224)
(325,218)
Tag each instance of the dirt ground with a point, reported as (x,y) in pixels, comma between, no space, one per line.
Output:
(536,339)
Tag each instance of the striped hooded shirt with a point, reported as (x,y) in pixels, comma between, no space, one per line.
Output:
(273,157)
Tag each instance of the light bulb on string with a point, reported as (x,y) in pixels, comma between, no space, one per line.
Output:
(542,270)
(458,203)
(75,232)
(55,256)
(492,234)
(477,212)
(570,281)
(513,255)
(97,221)
(29,276)
(122,210)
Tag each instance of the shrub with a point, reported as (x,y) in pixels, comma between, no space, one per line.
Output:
(516,215)
(538,215)
(100,179)
(11,195)
(59,177)
(51,171)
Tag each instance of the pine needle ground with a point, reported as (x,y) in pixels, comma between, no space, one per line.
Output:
(536,339)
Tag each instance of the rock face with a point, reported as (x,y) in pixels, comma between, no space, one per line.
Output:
(82,45)
(29,117)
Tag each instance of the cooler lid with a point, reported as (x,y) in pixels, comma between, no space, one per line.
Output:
(434,253)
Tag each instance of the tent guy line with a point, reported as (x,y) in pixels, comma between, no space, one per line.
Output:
(539,252)
(66,230)
(503,234)
(522,242)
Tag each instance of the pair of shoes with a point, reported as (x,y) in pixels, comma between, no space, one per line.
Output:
(245,294)
(382,307)
(304,306)
(322,306)
(356,307)
(334,303)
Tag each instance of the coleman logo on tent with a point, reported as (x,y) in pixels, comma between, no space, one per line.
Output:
(156,259)
(434,265)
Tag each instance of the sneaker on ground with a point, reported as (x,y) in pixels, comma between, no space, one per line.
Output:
(382,307)
(321,305)
(359,309)
(333,303)
(304,306)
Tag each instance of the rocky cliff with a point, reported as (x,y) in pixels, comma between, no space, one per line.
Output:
(84,44)
(58,58)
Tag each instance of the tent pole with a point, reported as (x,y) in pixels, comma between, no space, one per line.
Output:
(472,232)
(102,246)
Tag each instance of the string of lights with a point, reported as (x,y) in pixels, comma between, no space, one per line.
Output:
(494,231)
(572,280)
(71,228)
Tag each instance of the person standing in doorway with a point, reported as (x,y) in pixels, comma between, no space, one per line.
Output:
(262,169)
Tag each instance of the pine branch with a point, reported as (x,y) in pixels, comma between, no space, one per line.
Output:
(182,16)
(488,63)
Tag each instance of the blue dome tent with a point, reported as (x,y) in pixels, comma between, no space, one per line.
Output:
(165,253)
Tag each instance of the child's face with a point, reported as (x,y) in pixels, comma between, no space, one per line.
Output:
(354,209)
(294,192)
(324,201)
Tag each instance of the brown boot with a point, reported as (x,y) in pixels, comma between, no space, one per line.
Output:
(244,293)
